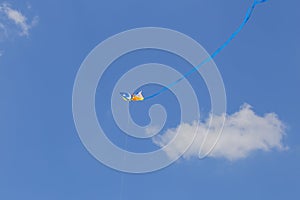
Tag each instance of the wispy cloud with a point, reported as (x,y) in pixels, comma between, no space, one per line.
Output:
(8,14)
(244,132)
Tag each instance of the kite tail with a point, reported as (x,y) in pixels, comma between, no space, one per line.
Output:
(196,68)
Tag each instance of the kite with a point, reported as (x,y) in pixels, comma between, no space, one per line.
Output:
(132,97)
(128,97)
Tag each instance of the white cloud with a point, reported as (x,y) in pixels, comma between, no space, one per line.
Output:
(244,132)
(3,32)
(15,16)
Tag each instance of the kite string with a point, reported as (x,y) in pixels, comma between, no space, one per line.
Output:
(122,184)
(196,68)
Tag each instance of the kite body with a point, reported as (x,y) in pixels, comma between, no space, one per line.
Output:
(132,97)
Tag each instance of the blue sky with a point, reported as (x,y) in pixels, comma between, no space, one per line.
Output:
(41,154)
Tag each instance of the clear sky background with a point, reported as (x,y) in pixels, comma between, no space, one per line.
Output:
(41,155)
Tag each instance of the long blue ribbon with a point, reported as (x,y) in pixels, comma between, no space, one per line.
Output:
(233,35)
